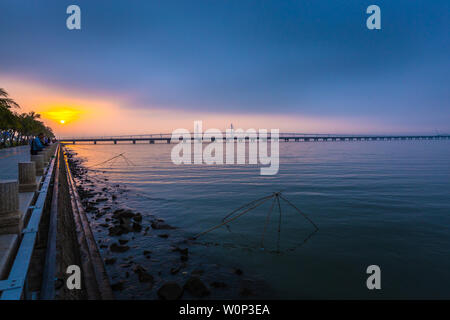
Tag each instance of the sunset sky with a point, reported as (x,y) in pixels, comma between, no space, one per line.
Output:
(149,66)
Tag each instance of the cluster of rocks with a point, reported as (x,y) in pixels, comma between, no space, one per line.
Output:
(123,221)
(173,291)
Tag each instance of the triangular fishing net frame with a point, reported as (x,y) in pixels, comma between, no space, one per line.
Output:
(242,210)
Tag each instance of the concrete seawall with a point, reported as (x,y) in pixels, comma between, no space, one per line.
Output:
(95,278)
(67,251)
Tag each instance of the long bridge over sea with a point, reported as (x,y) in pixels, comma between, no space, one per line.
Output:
(283,137)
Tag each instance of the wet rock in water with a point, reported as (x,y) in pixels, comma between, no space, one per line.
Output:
(99,214)
(158,225)
(123,213)
(103,246)
(136,227)
(138,269)
(238,271)
(183,253)
(137,217)
(145,277)
(165,235)
(104,225)
(126,224)
(175,270)
(123,241)
(118,286)
(118,248)
(123,226)
(101,200)
(142,273)
(170,291)
(90,208)
(146,252)
(197,272)
(85,194)
(246,292)
(218,284)
(110,260)
(196,287)
(116,231)
(125,265)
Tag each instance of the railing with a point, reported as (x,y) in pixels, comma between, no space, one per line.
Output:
(16,285)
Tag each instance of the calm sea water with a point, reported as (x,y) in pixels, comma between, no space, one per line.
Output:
(382,203)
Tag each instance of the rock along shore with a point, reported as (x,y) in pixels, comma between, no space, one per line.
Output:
(145,257)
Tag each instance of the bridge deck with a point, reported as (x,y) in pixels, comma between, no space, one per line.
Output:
(282,137)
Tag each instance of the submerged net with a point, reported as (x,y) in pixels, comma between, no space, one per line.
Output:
(267,235)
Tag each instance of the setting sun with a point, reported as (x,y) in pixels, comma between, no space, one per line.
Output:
(62,115)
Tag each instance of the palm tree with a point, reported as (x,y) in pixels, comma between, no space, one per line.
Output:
(5,102)
(18,128)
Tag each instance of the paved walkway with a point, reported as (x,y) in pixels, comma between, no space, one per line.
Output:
(9,158)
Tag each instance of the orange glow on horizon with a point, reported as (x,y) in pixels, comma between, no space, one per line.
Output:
(62,115)
(74,113)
